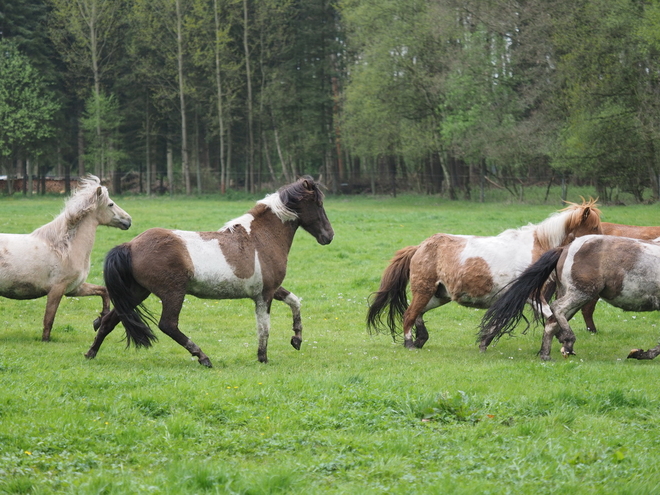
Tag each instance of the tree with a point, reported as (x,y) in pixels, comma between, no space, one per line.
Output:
(86,34)
(27,107)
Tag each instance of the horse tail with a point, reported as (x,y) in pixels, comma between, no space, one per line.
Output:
(392,292)
(503,316)
(124,293)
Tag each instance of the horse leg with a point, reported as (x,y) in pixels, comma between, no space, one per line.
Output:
(551,328)
(281,294)
(262,311)
(94,290)
(52,303)
(107,325)
(563,309)
(169,325)
(421,333)
(588,315)
(642,354)
(411,316)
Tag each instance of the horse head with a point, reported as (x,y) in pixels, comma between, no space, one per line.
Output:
(93,199)
(306,199)
(582,219)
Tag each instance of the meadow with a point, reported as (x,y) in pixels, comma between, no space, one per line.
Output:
(350,412)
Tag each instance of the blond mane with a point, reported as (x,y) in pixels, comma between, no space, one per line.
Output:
(60,232)
(553,231)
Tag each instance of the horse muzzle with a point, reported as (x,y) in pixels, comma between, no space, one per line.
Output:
(325,238)
(123,224)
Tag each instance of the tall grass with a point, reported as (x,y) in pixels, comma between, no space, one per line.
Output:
(350,412)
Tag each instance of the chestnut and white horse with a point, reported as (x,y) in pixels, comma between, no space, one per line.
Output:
(246,258)
(622,271)
(469,270)
(54,260)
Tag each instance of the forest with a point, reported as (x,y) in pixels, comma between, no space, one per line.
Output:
(445,97)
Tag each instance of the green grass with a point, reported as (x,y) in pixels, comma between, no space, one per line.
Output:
(350,412)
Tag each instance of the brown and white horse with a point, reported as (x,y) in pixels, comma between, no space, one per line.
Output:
(245,259)
(469,270)
(633,231)
(54,260)
(622,271)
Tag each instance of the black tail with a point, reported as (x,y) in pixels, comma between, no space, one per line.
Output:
(124,293)
(392,292)
(503,316)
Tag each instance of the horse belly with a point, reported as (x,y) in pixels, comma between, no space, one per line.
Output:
(643,296)
(25,267)
(216,280)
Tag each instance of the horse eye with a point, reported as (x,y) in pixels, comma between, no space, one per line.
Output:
(110,205)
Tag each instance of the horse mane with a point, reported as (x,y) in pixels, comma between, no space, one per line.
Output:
(59,233)
(552,232)
(285,201)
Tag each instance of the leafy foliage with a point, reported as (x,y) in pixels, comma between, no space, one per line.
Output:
(27,107)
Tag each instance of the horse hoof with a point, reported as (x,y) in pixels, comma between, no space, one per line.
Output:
(637,354)
(546,358)
(419,343)
(296,342)
(206,362)
(90,354)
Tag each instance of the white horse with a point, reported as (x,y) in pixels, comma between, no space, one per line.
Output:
(54,260)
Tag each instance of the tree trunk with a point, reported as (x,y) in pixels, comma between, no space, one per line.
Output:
(147,133)
(250,159)
(218,82)
(81,151)
(182,99)
(170,166)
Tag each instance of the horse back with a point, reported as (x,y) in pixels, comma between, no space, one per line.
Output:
(469,269)
(632,231)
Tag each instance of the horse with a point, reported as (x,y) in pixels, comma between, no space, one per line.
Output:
(469,270)
(246,258)
(633,231)
(624,272)
(54,260)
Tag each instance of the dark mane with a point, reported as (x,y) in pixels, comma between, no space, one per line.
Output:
(293,194)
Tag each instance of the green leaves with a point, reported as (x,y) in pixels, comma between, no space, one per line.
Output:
(26,106)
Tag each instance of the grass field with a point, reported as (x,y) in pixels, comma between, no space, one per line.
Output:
(350,412)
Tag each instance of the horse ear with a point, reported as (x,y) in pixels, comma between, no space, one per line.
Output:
(585,214)
(99,191)
(309,185)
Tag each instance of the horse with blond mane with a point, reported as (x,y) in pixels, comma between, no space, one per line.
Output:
(54,260)
(469,270)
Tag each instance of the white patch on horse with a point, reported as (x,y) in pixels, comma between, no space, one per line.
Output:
(507,254)
(214,278)
(274,202)
(244,221)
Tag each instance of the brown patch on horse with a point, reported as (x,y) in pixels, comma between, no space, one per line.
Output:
(234,251)
(466,281)
(593,258)
(632,231)
(175,267)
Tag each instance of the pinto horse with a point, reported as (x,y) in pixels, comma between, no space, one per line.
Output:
(245,259)
(54,260)
(469,270)
(624,272)
(617,229)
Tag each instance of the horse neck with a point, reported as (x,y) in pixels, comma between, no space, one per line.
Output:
(82,237)
(70,241)
(275,233)
(552,232)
